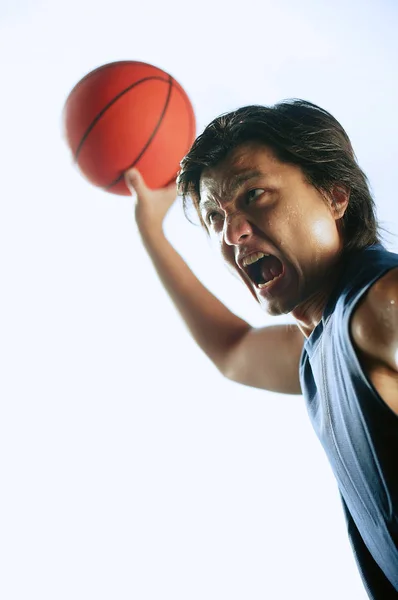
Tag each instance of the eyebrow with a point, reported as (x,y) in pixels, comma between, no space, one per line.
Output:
(235,183)
(240,178)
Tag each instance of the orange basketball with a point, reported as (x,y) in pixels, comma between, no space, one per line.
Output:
(128,114)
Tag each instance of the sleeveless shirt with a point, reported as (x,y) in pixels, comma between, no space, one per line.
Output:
(356,428)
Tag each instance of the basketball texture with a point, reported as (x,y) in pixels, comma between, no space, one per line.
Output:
(128,114)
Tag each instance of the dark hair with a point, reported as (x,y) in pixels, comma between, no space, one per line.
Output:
(299,133)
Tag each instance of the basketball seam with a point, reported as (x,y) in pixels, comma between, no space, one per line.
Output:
(102,111)
(173,84)
(111,65)
(151,137)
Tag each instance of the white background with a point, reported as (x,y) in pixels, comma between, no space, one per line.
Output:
(130,468)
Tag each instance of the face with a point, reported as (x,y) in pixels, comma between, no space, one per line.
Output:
(273,229)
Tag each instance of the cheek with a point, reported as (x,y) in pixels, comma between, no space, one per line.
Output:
(223,252)
(323,231)
(312,223)
(323,241)
(216,244)
(227,255)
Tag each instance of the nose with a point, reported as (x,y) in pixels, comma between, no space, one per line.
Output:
(236,229)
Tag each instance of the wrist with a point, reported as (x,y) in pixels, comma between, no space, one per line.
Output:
(151,233)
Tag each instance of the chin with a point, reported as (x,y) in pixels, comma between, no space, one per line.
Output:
(276,307)
(276,311)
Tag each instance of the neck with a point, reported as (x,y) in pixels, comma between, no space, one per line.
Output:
(309,313)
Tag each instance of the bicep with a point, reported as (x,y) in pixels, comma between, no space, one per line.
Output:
(267,358)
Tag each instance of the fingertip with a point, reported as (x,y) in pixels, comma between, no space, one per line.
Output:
(131,177)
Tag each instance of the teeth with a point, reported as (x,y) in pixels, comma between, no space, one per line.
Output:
(252,258)
(264,285)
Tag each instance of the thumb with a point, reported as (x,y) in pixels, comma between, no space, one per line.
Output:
(135,182)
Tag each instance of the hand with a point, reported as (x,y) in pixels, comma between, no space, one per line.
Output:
(151,206)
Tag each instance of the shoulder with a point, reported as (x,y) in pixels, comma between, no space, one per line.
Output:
(374,324)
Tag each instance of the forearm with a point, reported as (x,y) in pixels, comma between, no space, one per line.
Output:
(215,328)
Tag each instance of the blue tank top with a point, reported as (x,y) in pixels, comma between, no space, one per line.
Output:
(357,429)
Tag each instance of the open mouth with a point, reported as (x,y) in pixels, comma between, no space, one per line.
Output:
(263,269)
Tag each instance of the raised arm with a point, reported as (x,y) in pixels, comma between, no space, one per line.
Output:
(266,358)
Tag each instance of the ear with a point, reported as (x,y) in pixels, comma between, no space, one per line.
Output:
(338,198)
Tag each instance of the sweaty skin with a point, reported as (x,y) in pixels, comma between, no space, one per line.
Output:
(253,202)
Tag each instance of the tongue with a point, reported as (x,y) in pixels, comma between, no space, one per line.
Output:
(270,267)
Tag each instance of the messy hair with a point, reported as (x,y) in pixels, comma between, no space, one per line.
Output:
(299,133)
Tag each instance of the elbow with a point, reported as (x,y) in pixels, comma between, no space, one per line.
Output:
(227,368)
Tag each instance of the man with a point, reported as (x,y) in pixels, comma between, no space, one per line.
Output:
(279,191)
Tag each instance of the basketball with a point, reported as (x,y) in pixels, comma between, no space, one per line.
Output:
(128,114)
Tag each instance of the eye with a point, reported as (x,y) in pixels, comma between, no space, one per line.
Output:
(253,194)
(213,217)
